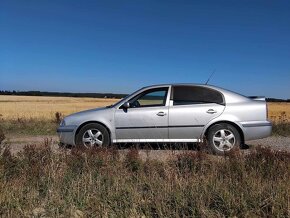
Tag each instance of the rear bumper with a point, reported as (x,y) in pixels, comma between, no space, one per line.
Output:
(256,129)
(67,134)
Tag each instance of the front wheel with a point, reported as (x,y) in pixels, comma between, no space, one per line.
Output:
(93,135)
(223,137)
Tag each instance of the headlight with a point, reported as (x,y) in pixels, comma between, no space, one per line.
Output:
(62,123)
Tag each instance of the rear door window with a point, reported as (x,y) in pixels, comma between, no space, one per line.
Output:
(184,95)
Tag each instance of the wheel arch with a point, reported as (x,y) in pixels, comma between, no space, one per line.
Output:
(90,122)
(239,129)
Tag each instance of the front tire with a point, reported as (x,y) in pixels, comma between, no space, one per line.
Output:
(93,135)
(223,137)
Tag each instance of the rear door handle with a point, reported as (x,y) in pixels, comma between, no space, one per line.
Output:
(211,111)
(161,113)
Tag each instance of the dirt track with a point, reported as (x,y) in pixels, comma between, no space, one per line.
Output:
(18,143)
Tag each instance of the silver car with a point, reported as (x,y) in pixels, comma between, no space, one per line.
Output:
(171,113)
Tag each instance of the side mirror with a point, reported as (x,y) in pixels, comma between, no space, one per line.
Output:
(126,105)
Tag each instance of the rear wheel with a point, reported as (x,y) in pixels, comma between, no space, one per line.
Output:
(93,135)
(223,137)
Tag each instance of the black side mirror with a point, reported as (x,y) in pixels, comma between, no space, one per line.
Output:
(126,105)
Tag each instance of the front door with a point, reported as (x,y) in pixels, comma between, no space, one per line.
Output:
(146,120)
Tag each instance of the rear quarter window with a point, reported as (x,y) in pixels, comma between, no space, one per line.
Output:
(183,95)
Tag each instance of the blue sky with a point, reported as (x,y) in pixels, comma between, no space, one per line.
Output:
(119,46)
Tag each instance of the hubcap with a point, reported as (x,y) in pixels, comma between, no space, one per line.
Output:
(92,137)
(224,140)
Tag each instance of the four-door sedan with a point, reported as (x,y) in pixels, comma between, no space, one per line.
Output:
(171,113)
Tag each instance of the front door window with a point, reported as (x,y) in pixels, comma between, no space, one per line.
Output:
(150,98)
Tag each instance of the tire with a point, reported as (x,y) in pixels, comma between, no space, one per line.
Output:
(93,135)
(222,138)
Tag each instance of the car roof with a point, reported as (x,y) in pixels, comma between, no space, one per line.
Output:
(173,84)
(230,96)
(189,84)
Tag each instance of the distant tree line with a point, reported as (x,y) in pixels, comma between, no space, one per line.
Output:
(277,100)
(90,95)
(62,94)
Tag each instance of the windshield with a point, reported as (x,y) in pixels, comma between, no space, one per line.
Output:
(124,99)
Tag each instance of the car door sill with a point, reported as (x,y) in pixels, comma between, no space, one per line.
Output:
(154,140)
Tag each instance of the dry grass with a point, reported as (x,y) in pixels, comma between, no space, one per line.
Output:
(279,114)
(44,108)
(98,183)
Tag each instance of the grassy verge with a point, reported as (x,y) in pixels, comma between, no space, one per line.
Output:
(281,128)
(281,125)
(28,127)
(39,182)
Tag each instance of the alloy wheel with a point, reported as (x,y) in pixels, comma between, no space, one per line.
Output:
(92,138)
(224,140)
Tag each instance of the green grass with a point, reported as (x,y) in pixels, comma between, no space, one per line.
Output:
(100,183)
(29,127)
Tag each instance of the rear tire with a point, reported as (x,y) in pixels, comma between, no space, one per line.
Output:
(222,138)
(93,135)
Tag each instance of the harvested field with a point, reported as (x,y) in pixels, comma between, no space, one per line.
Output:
(279,111)
(35,107)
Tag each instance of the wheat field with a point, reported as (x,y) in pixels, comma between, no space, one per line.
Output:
(39,107)
(279,111)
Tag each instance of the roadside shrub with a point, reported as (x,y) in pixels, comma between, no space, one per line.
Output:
(132,160)
(9,164)
(58,117)
(192,162)
(282,125)
(282,129)
(268,163)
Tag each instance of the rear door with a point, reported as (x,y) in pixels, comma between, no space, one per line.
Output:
(191,108)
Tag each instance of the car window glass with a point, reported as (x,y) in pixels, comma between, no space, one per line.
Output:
(183,95)
(150,98)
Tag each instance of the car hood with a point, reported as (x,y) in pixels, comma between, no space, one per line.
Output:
(86,112)
(90,110)
(82,116)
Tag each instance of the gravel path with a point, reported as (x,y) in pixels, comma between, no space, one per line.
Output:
(18,143)
(275,142)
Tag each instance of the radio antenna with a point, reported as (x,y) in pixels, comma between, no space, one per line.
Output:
(210,77)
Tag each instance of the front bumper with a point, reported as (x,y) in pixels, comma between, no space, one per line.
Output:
(256,129)
(67,134)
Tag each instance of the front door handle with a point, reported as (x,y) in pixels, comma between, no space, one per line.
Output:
(161,113)
(211,111)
